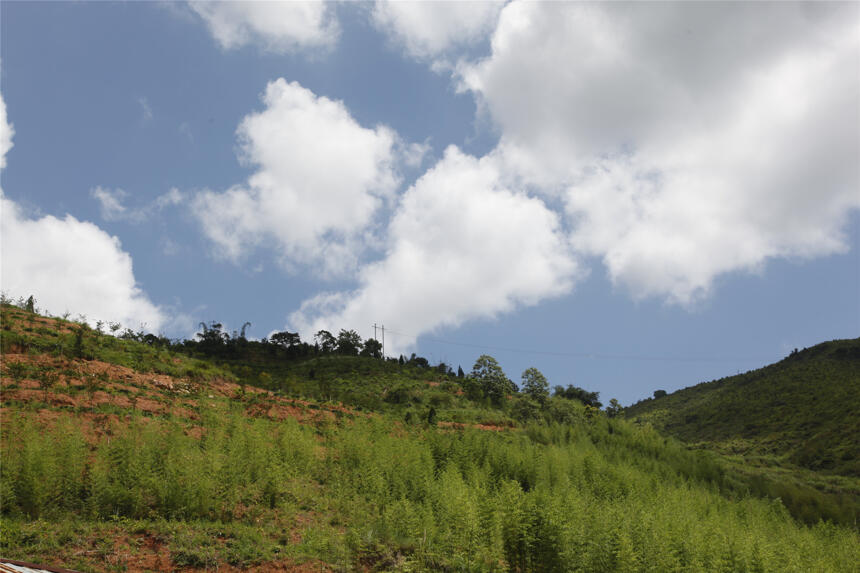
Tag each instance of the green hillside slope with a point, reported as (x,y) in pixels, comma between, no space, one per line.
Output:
(136,455)
(802,411)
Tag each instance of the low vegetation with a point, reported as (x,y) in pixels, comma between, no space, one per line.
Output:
(791,428)
(122,454)
(801,410)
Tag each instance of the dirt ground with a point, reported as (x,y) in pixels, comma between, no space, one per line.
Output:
(88,384)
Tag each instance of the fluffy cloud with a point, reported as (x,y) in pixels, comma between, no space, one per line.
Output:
(68,265)
(71,265)
(320,180)
(461,246)
(688,140)
(429,29)
(275,26)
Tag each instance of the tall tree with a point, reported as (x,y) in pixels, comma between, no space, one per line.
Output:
(614,409)
(372,348)
(326,341)
(577,393)
(348,342)
(535,385)
(286,339)
(492,379)
(212,338)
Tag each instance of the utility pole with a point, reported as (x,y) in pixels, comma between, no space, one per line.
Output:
(383,337)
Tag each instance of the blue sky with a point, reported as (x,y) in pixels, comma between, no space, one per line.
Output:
(628,197)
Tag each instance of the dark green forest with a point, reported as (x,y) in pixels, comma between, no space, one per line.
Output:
(125,451)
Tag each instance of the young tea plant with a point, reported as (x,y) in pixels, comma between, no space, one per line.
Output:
(91,384)
(47,379)
(17,370)
(78,348)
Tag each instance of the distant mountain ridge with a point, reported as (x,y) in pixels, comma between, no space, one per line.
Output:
(803,410)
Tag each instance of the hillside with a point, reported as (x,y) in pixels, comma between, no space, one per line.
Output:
(130,454)
(801,411)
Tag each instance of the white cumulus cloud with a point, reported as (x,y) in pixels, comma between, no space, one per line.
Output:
(430,29)
(71,265)
(461,247)
(687,140)
(320,180)
(274,26)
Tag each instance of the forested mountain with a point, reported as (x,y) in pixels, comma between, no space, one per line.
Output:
(802,410)
(134,453)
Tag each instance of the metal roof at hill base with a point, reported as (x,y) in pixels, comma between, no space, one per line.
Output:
(11,566)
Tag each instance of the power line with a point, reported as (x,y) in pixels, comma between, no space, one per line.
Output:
(591,355)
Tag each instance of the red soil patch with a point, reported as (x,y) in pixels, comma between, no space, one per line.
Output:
(280,411)
(148,406)
(195,432)
(311,566)
(301,521)
(98,398)
(48,417)
(93,426)
(486,427)
(141,391)
(28,384)
(82,385)
(110,376)
(232,390)
(23,320)
(151,553)
(52,398)
(491,427)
